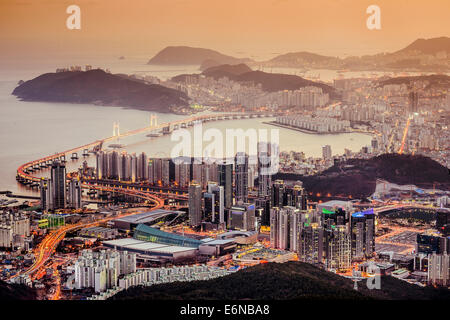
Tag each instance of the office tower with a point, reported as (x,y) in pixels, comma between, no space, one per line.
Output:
(209,173)
(264,205)
(142,167)
(363,234)
(296,196)
(58,185)
(338,248)
(278,193)
(242,217)
(209,206)
(195,204)
(336,216)
(74,194)
(439,269)
(252,169)
(219,203)
(225,177)
(46,195)
(429,242)
(267,164)
(311,243)
(326,152)
(241,177)
(443,222)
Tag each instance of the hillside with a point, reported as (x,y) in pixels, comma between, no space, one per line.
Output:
(226,70)
(279,81)
(15,292)
(280,281)
(101,88)
(183,55)
(357,177)
(269,82)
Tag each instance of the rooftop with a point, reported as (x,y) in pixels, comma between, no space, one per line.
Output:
(148,216)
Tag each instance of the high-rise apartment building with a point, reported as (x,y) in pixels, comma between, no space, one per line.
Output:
(225,179)
(195,204)
(241,177)
(58,185)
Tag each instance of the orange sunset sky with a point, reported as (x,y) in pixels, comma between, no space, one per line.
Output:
(257,29)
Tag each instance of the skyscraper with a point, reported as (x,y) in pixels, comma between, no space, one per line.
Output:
(267,165)
(241,177)
(133,167)
(311,243)
(142,167)
(101,164)
(195,204)
(225,176)
(242,217)
(74,194)
(58,185)
(157,170)
(219,203)
(363,234)
(338,248)
(182,173)
(46,195)
(296,196)
(278,193)
(209,206)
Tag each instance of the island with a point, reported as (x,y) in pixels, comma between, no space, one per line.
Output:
(101,88)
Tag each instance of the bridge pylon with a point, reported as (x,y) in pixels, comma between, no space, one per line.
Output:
(116,129)
(153,118)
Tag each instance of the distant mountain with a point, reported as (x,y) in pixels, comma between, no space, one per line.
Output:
(183,55)
(428,46)
(15,292)
(421,55)
(357,177)
(270,82)
(99,87)
(282,281)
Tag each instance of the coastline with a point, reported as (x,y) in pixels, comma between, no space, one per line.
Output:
(273,123)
